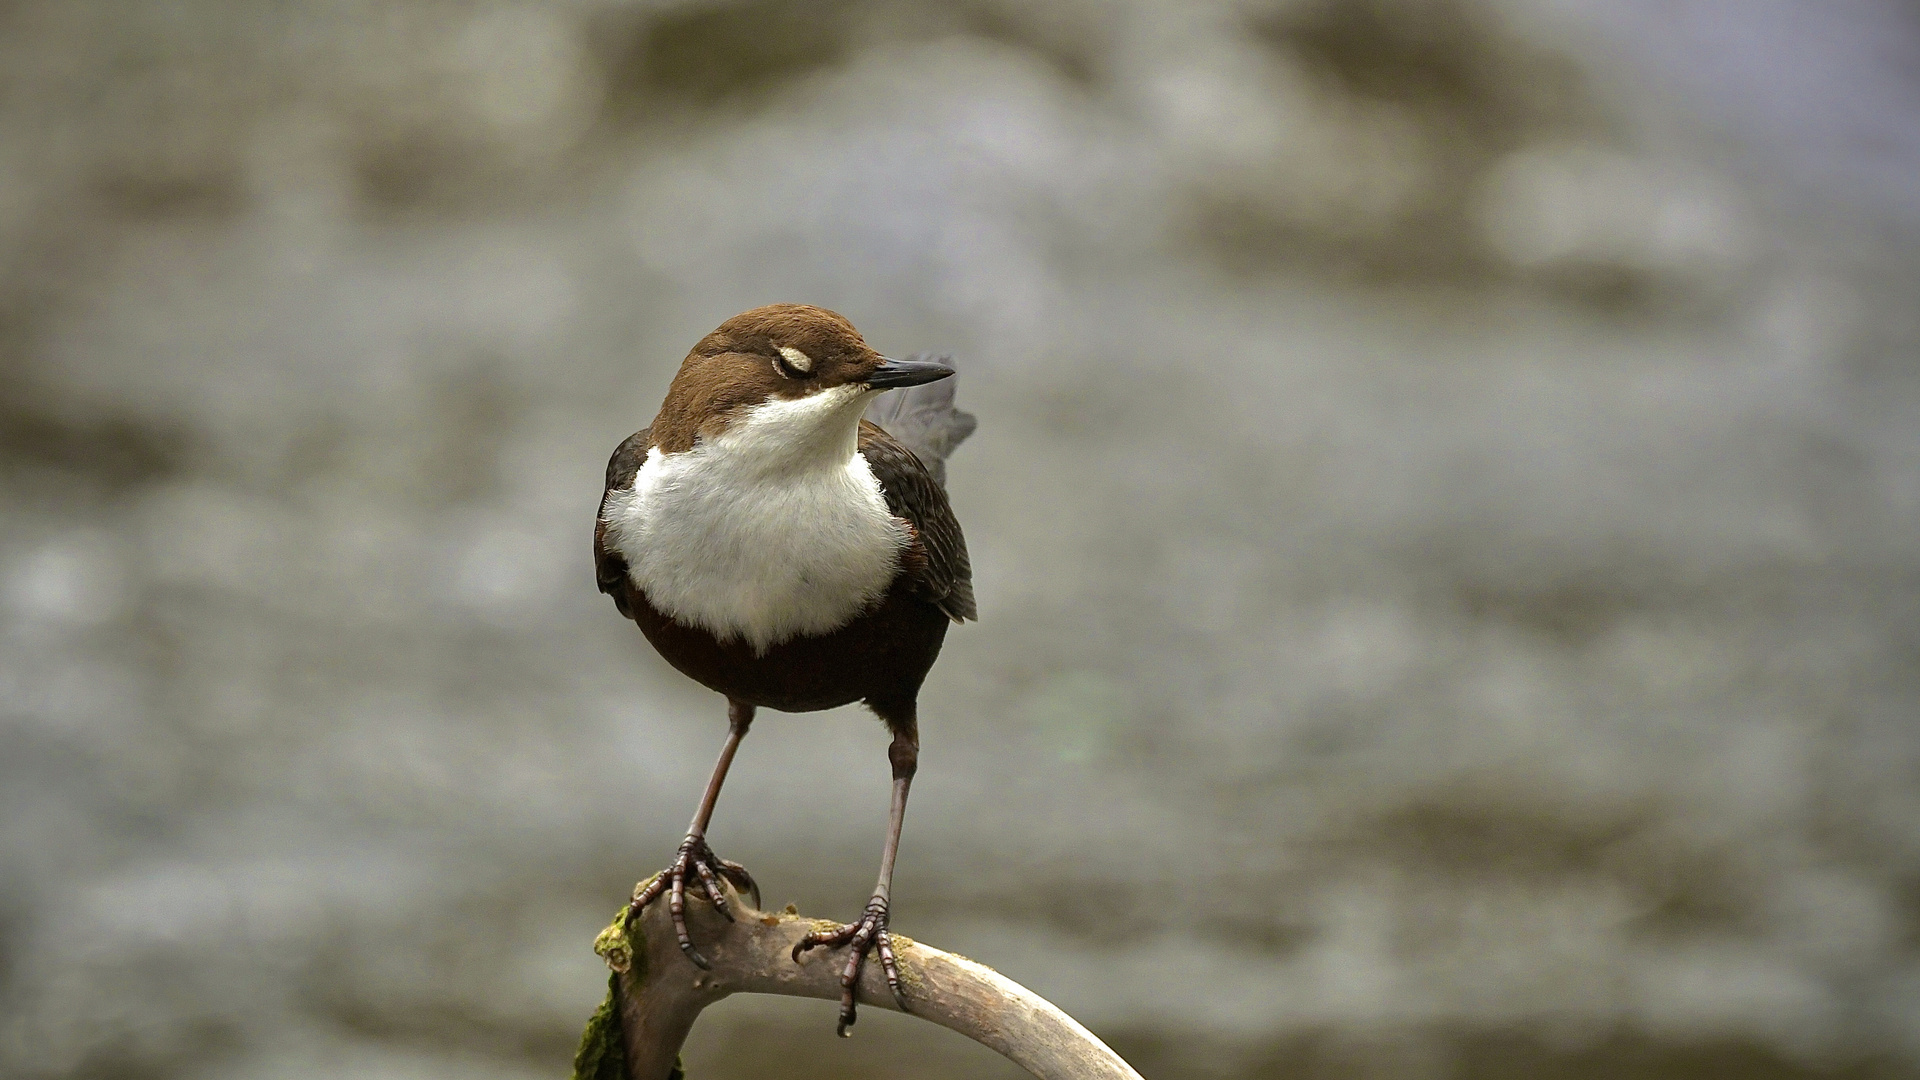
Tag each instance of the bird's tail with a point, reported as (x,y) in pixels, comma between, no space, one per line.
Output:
(923,418)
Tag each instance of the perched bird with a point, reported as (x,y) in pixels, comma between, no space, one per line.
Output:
(780,549)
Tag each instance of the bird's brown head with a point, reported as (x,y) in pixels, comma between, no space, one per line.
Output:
(780,353)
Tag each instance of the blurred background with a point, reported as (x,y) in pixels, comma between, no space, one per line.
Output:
(1444,515)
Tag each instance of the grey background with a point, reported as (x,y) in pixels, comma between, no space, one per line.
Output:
(1443,514)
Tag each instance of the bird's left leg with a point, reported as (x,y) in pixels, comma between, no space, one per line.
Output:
(870,932)
(695,857)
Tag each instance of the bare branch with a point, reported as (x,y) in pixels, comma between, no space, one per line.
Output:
(659,994)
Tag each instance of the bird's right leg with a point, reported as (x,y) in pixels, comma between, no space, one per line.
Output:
(695,857)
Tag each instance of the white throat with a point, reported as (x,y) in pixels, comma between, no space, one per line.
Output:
(774,529)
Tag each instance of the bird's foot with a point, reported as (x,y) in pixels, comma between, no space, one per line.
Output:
(697,860)
(869,934)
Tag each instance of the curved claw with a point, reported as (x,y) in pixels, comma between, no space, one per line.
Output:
(694,859)
(677,907)
(740,878)
(870,933)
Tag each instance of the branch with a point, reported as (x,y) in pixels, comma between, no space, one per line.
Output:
(656,994)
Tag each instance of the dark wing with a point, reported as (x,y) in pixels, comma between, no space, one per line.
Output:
(938,563)
(924,419)
(608,566)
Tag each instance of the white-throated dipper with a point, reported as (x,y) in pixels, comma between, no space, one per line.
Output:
(778,546)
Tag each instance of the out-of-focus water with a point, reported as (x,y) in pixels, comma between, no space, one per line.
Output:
(1444,517)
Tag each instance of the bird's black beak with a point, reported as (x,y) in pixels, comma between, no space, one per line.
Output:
(907,373)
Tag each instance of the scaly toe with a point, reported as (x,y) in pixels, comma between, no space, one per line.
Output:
(829,938)
(740,878)
(868,935)
(697,861)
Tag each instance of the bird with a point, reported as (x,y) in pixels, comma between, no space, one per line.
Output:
(779,546)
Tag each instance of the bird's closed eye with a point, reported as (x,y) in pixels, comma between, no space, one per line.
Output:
(793,363)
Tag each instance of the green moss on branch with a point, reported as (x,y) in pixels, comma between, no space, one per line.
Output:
(602,1054)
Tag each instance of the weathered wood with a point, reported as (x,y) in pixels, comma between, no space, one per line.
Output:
(660,993)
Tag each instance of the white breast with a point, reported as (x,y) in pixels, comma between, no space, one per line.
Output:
(757,535)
